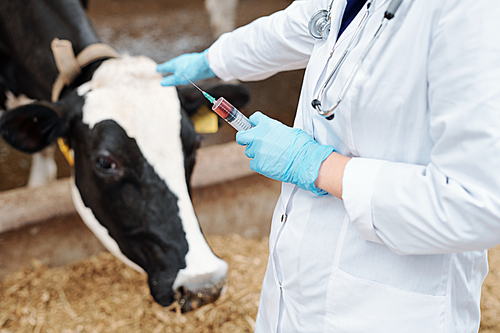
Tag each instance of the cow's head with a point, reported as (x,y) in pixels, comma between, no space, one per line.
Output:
(134,151)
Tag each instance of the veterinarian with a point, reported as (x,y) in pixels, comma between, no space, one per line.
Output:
(391,172)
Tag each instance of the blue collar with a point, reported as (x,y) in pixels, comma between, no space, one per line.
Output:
(351,10)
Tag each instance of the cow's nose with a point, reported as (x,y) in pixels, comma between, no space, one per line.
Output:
(161,287)
(191,299)
(195,290)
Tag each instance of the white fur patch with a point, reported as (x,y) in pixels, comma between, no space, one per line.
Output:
(43,167)
(128,91)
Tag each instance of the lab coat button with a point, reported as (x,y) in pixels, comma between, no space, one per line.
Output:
(283,218)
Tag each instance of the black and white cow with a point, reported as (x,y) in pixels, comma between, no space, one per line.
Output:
(133,144)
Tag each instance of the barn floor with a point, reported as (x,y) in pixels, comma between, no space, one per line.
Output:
(100,294)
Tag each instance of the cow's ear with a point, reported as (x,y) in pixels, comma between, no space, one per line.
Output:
(32,127)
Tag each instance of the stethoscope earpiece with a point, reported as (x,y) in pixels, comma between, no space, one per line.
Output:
(319,24)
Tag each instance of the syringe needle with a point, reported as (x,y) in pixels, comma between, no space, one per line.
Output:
(193,83)
(207,96)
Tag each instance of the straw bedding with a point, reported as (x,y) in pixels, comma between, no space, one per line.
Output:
(100,294)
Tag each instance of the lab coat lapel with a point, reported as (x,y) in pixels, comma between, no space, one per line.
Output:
(379,3)
(354,24)
(320,57)
(338,9)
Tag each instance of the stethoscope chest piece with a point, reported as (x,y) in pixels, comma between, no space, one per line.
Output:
(319,24)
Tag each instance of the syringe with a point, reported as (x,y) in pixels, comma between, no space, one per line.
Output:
(226,111)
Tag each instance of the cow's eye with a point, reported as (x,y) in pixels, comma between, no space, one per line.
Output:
(105,164)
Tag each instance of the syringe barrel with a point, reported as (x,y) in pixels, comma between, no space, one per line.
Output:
(231,115)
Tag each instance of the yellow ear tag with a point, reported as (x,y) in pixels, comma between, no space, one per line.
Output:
(63,147)
(205,120)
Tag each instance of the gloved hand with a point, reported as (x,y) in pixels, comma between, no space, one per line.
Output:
(194,66)
(283,153)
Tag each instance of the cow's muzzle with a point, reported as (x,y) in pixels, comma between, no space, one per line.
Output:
(193,299)
(190,292)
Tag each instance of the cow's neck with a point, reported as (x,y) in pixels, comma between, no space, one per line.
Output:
(27,28)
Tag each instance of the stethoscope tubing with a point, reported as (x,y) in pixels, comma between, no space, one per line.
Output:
(316,103)
(339,63)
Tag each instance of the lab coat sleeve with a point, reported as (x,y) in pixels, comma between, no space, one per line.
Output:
(268,45)
(453,203)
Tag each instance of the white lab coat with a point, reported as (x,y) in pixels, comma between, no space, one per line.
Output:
(405,251)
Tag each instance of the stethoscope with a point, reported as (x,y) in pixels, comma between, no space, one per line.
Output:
(319,28)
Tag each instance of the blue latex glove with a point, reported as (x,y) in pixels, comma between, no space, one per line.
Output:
(194,66)
(283,153)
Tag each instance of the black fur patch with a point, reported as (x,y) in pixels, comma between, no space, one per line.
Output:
(134,204)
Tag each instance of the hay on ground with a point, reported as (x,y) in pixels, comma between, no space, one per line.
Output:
(101,294)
